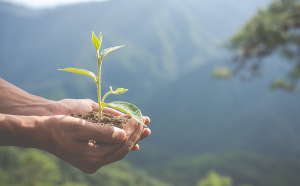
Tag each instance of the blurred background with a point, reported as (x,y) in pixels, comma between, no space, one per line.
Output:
(219,80)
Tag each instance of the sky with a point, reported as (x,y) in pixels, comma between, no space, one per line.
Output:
(38,4)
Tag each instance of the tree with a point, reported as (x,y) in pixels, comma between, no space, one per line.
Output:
(27,168)
(271,30)
(214,179)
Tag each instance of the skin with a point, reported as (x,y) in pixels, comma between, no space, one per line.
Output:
(30,121)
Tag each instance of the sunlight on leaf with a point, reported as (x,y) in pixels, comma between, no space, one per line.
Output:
(80,71)
(100,38)
(127,108)
(108,50)
(96,42)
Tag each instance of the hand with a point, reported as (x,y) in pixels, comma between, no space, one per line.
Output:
(68,106)
(16,101)
(68,138)
(70,141)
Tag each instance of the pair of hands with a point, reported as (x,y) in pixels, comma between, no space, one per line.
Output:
(30,121)
(71,136)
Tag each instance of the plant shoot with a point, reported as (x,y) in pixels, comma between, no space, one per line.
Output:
(125,107)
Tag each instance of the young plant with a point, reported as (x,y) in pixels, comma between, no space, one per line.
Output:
(128,108)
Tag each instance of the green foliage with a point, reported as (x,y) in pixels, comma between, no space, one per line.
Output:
(282,84)
(295,73)
(273,29)
(214,179)
(30,167)
(96,41)
(105,52)
(242,168)
(81,71)
(75,184)
(222,72)
(128,108)
(116,92)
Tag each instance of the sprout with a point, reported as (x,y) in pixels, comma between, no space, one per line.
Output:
(128,108)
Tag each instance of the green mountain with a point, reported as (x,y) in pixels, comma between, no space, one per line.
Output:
(198,114)
(163,39)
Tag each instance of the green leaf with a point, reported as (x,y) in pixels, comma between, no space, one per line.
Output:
(100,38)
(120,91)
(117,92)
(80,71)
(128,108)
(108,50)
(96,41)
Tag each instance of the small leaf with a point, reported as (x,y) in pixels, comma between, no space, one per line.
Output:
(117,92)
(96,42)
(108,50)
(80,71)
(100,38)
(128,108)
(120,91)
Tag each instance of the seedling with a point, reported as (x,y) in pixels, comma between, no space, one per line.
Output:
(128,108)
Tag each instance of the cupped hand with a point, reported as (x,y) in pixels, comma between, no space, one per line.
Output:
(69,106)
(69,138)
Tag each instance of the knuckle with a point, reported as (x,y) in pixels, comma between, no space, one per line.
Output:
(140,127)
(129,147)
(109,131)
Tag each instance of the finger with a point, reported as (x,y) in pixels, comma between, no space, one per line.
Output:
(133,140)
(105,134)
(136,147)
(93,104)
(146,133)
(146,120)
(130,127)
(126,148)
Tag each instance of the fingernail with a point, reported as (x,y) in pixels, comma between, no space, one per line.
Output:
(136,147)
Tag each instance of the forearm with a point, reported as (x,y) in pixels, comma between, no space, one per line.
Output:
(18,131)
(16,101)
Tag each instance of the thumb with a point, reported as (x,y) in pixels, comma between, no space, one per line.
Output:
(105,134)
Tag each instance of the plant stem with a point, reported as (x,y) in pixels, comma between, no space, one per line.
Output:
(99,85)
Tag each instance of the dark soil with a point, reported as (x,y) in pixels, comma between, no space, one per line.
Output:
(107,119)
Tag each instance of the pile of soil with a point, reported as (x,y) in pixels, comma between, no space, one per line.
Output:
(107,119)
